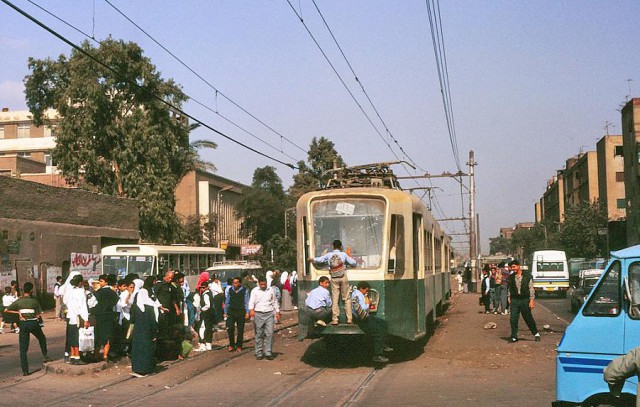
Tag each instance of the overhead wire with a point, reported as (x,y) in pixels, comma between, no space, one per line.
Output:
(218,91)
(138,86)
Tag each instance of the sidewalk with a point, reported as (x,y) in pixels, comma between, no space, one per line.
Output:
(464,364)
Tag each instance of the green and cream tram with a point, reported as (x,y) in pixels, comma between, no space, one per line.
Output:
(399,247)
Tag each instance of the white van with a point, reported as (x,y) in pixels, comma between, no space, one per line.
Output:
(550,272)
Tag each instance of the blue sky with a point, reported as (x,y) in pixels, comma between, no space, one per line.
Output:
(532,82)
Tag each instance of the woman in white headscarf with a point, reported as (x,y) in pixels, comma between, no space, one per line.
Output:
(144,316)
(64,291)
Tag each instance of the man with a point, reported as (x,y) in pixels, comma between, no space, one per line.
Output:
(236,313)
(29,313)
(263,308)
(317,308)
(370,324)
(503,269)
(336,262)
(620,369)
(485,287)
(521,300)
(105,314)
(58,298)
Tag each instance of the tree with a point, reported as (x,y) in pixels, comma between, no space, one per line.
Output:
(579,232)
(262,207)
(284,253)
(499,244)
(525,241)
(321,156)
(113,137)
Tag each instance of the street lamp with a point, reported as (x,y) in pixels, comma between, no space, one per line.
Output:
(218,223)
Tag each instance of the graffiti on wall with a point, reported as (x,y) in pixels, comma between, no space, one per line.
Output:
(89,265)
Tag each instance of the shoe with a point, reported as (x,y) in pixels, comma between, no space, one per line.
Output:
(334,322)
(388,349)
(321,323)
(231,348)
(259,357)
(207,346)
(200,348)
(25,373)
(380,359)
(504,312)
(295,308)
(238,349)
(269,357)
(512,339)
(495,312)
(138,375)
(537,337)
(47,359)
(487,312)
(349,322)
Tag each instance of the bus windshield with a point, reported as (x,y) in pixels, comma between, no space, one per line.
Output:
(357,222)
(550,266)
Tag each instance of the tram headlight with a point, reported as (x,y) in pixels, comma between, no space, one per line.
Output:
(374,297)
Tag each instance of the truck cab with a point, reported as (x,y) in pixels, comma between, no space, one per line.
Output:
(607,326)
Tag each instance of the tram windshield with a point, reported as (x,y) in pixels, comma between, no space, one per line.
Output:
(357,222)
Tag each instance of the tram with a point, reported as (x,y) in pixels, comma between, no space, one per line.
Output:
(399,247)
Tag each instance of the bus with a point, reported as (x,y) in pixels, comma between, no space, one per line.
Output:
(550,272)
(149,259)
(235,268)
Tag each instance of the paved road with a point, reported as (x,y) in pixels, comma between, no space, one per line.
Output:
(560,307)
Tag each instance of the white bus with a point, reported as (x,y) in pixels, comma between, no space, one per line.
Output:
(550,272)
(235,268)
(149,259)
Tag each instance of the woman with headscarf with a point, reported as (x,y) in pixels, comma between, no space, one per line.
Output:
(64,291)
(77,316)
(286,292)
(205,323)
(144,315)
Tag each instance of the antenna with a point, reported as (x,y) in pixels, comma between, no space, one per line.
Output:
(608,124)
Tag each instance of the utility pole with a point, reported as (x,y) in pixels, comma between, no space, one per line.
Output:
(472,223)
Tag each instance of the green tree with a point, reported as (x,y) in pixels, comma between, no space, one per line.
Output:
(321,156)
(262,207)
(525,241)
(499,244)
(579,232)
(284,253)
(112,136)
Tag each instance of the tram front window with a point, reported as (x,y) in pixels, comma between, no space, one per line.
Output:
(356,222)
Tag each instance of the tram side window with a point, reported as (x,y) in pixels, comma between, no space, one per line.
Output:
(605,300)
(396,245)
(633,285)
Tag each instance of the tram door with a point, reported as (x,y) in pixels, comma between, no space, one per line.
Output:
(418,314)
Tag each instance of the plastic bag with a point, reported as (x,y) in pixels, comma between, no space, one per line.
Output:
(186,348)
(86,339)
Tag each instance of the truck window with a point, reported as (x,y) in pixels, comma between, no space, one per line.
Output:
(634,290)
(605,300)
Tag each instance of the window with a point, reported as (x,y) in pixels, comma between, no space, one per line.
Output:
(357,222)
(48,160)
(605,300)
(24,154)
(620,176)
(632,285)
(621,203)
(618,151)
(2,131)
(50,131)
(32,236)
(24,130)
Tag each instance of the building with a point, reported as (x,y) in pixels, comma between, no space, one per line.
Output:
(40,226)
(611,176)
(207,195)
(630,140)
(552,201)
(581,179)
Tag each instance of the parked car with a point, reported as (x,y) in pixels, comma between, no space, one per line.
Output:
(579,293)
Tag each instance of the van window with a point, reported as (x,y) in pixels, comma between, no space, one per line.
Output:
(634,290)
(605,300)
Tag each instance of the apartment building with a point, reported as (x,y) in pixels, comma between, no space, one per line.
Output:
(631,151)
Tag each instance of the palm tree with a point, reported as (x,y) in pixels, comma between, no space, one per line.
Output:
(196,161)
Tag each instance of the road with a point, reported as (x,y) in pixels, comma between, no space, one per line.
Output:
(457,366)
(560,307)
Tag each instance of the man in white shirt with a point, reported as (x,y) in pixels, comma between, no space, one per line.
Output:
(264,309)
(58,298)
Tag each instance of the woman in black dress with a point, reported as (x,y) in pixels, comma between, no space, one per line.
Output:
(145,331)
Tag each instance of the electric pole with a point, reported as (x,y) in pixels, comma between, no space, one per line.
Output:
(472,224)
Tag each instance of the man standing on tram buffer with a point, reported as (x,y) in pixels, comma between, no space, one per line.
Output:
(337,261)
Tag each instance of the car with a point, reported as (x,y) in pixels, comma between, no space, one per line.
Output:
(579,293)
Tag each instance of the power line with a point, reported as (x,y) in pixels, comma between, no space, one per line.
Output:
(218,92)
(92,38)
(355,76)
(140,87)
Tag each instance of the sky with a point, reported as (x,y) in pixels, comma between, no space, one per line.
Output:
(532,83)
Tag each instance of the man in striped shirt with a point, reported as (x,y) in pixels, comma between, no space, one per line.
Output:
(29,311)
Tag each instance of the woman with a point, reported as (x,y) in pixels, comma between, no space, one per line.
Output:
(205,324)
(286,292)
(293,279)
(77,315)
(218,300)
(144,316)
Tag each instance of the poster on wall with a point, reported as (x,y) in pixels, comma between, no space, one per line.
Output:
(52,273)
(89,265)
(6,276)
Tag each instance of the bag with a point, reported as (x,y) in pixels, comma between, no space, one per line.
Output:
(86,339)
(186,348)
(359,311)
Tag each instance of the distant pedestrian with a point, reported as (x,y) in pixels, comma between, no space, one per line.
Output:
(496,279)
(521,300)
(58,298)
(29,314)
(218,299)
(8,318)
(337,262)
(236,312)
(265,311)
(486,288)
(503,268)
(459,281)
